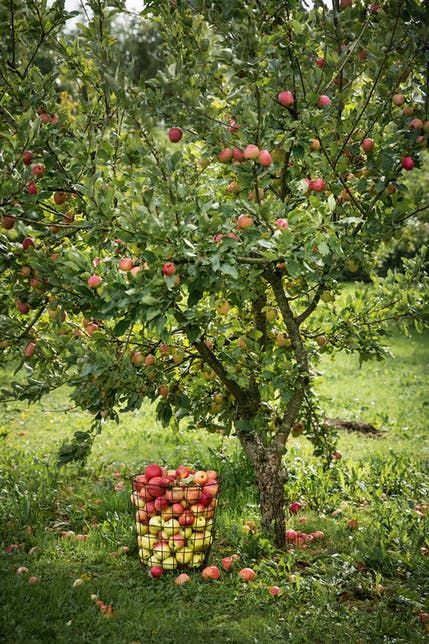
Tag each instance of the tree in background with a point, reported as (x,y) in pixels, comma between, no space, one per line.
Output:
(182,239)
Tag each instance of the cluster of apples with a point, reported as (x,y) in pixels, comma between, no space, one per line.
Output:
(174,515)
(301,539)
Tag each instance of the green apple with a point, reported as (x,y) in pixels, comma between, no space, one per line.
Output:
(155,524)
(199,523)
(144,554)
(141,528)
(170,527)
(197,559)
(184,556)
(199,541)
(170,563)
(148,541)
(186,532)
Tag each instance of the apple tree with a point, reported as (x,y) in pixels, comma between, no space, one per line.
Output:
(182,239)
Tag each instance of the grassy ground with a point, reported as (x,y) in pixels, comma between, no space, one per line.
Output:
(364,582)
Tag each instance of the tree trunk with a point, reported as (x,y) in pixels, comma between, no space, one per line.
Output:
(270,479)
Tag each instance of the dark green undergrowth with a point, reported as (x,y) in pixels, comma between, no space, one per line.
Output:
(365,581)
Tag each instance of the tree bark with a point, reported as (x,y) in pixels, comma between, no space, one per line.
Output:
(270,479)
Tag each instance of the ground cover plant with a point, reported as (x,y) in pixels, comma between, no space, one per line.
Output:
(366,580)
(183,238)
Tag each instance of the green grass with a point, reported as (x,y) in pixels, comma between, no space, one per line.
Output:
(360,585)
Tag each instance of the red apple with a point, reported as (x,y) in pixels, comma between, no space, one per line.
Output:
(345,3)
(44,117)
(251,151)
(320,62)
(237,155)
(398,99)
(125,264)
(244,221)
(295,507)
(407,163)
(156,571)
(168,268)
(227,563)
(60,197)
(367,145)
(183,578)
(38,169)
(200,477)
(416,124)
(152,470)
(149,360)
(33,580)
(286,98)
(157,486)
(182,472)
(210,572)
(211,488)
(275,591)
(211,475)
(29,349)
(23,307)
(265,158)
(139,481)
(225,155)
(137,357)
(160,503)
(282,223)
(291,535)
(94,281)
(324,101)
(247,574)
(175,134)
(163,391)
(233,126)
(177,509)
(27,157)
(27,242)
(318,185)
(8,222)
(315,145)
(32,188)
(186,519)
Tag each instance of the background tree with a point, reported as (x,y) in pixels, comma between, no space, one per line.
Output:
(182,240)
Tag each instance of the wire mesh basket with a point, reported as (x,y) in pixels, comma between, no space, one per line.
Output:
(175,519)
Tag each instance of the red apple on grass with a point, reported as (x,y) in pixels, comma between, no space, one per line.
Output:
(183,578)
(156,571)
(210,572)
(275,591)
(247,574)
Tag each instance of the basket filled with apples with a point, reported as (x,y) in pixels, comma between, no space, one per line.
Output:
(175,513)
